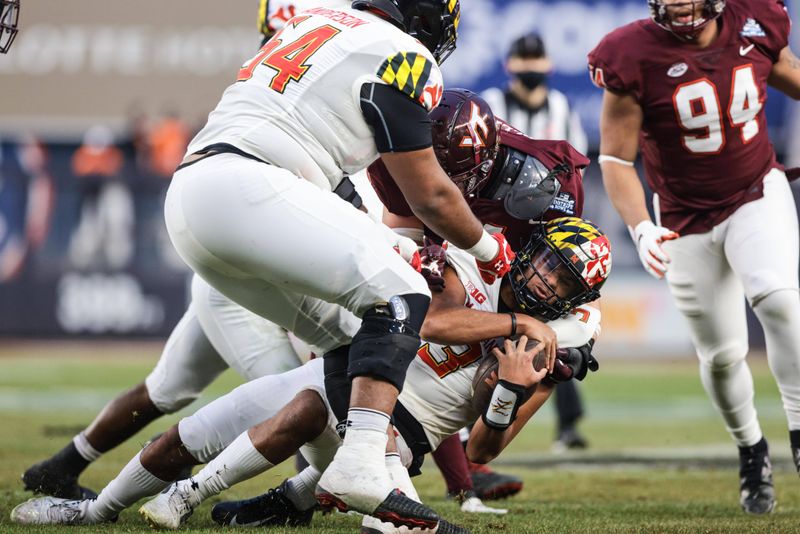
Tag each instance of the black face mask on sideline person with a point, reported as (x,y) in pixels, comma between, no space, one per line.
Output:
(531,79)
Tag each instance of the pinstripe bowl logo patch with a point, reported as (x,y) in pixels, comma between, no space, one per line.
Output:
(413,75)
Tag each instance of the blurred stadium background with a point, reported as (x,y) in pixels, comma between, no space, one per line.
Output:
(98,99)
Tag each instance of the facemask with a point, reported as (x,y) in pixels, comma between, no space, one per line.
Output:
(531,79)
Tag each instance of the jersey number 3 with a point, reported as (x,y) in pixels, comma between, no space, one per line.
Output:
(290,59)
(697,107)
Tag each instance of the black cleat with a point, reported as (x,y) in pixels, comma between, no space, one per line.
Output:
(755,479)
(794,440)
(569,438)
(396,509)
(48,479)
(445,527)
(490,485)
(273,508)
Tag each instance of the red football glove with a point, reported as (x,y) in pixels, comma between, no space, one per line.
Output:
(498,266)
(408,251)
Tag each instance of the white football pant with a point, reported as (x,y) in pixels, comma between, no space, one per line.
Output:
(266,238)
(752,254)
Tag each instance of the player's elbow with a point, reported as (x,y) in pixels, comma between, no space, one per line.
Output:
(433,203)
(434,329)
(482,448)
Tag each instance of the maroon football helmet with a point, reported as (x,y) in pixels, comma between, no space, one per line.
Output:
(688,30)
(464,138)
(9,18)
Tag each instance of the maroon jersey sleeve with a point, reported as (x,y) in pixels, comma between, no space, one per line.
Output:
(611,65)
(387,190)
(776,24)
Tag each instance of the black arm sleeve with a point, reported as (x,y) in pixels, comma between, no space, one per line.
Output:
(400,124)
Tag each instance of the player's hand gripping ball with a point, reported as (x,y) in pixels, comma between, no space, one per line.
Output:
(485,378)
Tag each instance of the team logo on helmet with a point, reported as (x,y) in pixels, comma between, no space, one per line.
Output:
(476,127)
(570,260)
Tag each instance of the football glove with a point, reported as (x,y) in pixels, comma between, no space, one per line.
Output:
(433,258)
(573,363)
(498,266)
(648,238)
(404,246)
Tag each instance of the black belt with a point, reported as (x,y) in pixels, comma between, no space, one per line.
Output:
(213,150)
(345,190)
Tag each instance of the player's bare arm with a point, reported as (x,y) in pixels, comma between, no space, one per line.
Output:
(433,197)
(620,125)
(449,322)
(785,75)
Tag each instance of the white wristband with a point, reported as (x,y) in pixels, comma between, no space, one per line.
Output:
(602,158)
(485,249)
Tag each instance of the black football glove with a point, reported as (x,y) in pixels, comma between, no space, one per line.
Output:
(573,363)
(433,259)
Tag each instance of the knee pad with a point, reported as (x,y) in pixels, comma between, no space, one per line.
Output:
(388,339)
(722,356)
(169,402)
(778,308)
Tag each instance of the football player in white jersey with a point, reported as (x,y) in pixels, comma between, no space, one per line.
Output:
(324,97)
(561,269)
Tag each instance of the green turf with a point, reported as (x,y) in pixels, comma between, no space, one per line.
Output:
(633,408)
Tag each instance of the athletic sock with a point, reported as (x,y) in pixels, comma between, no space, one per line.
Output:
(759,447)
(400,477)
(300,488)
(367,419)
(134,482)
(237,462)
(70,460)
(85,449)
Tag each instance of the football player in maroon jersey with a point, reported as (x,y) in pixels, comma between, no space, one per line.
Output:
(501,172)
(689,86)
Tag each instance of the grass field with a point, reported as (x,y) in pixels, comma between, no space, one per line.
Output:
(659,460)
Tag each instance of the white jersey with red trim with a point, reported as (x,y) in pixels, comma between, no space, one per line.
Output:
(274,14)
(296,104)
(438,388)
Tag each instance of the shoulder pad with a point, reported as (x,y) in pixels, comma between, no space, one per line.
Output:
(414,75)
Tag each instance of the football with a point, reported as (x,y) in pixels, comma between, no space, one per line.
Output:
(485,378)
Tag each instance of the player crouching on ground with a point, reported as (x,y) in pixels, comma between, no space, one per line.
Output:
(246,432)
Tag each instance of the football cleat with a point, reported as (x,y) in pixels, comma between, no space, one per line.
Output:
(796,458)
(169,509)
(471,504)
(396,509)
(49,479)
(273,508)
(757,494)
(49,511)
(370,525)
(491,485)
(569,438)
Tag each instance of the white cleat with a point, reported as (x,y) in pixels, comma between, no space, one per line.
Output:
(354,483)
(49,511)
(169,509)
(474,505)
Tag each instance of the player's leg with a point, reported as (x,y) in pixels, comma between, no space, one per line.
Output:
(196,439)
(452,461)
(569,409)
(250,345)
(188,364)
(254,451)
(710,296)
(218,226)
(762,245)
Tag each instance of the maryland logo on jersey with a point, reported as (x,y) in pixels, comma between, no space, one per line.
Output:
(414,75)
